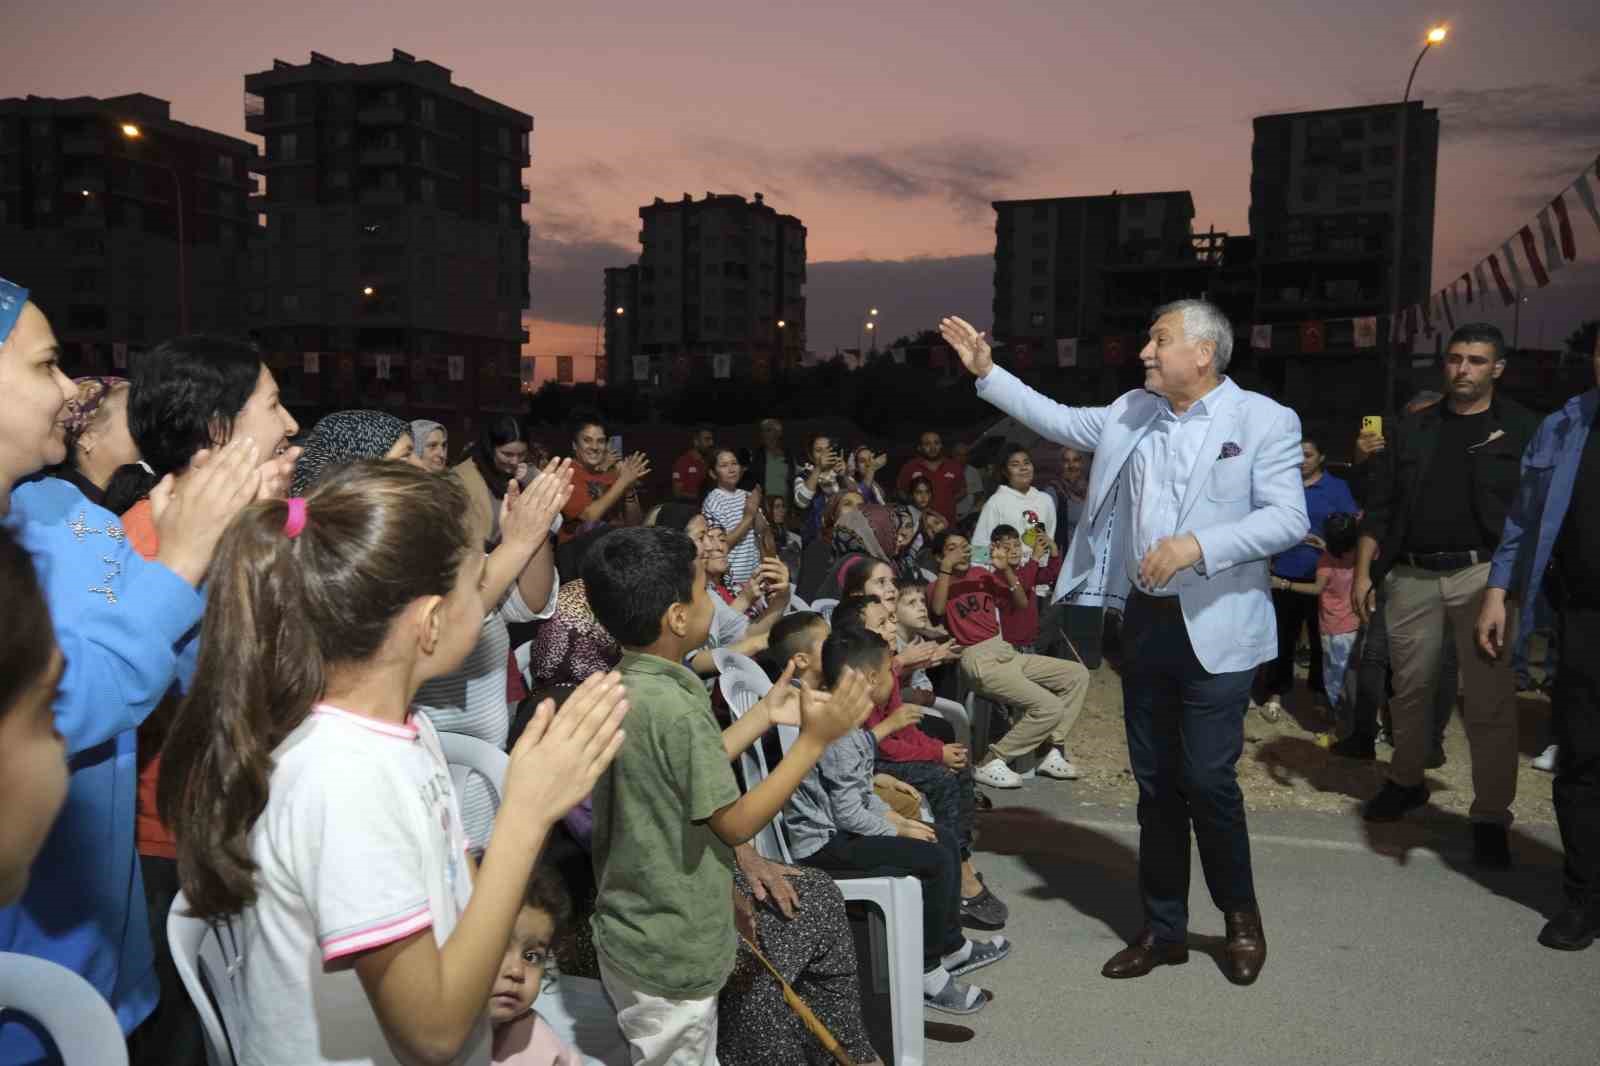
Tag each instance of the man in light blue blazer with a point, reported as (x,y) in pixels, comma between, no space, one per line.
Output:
(1196,485)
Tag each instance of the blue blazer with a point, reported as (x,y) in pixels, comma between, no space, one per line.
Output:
(1243,507)
(1549,469)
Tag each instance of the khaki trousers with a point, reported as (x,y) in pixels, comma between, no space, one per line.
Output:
(1417,604)
(1049,691)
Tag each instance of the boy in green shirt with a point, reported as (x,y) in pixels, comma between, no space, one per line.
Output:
(668,813)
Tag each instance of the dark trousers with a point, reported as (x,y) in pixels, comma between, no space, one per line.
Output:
(937,866)
(1372,679)
(950,793)
(1185,734)
(1575,723)
(1074,632)
(171,1036)
(1294,610)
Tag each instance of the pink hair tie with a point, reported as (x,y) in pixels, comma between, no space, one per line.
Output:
(296,522)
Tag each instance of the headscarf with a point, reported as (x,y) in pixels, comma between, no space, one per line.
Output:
(82,408)
(343,437)
(421,430)
(905,559)
(12,299)
(865,531)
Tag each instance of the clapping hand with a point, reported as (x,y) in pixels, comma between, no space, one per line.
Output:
(634,469)
(526,514)
(559,757)
(192,512)
(969,344)
(277,473)
(782,702)
(846,708)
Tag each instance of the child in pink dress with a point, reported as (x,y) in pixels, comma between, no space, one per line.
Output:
(521,1037)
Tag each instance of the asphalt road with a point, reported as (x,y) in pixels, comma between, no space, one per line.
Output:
(1387,948)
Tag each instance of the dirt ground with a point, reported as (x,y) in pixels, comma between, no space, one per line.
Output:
(1282,767)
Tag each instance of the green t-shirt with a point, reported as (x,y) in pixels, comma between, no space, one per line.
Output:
(664,916)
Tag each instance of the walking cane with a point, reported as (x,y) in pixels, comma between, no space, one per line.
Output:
(801,1010)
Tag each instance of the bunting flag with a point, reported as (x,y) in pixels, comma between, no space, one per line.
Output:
(898,355)
(1067,351)
(1483,285)
(1366,332)
(808,358)
(1111,351)
(1449,312)
(680,368)
(721,366)
(1466,280)
(458,367)
(119,354)
(1313,338)
(1500,280)
(1427,316)
(1261,337)
(381,363)
(1518,286)
(602,370)
(1540,277)
(1586,194)
(1553,258)
(1409,326)
(641,368)
(1569,244)
(760,366)
(311,362)
(1023,359)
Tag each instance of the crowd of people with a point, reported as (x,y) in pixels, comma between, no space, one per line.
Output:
(237,644)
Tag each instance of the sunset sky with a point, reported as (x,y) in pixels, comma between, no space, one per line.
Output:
(888,128)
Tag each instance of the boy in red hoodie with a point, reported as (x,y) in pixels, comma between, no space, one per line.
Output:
(1020,625)
(941,772)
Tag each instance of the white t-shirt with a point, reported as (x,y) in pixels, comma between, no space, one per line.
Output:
(361,844)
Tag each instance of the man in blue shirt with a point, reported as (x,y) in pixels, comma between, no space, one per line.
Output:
(1325,495)
(1551,540)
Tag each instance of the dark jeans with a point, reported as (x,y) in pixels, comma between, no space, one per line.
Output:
(171,1036)
(1575,722)
(1372,680)
(937,866)
(1185,734)
(950,794)
(1294,610)
(1543,621)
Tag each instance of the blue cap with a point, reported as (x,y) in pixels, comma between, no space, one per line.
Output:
(12,297)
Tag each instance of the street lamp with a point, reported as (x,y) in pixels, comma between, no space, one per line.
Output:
(1436,35)
(133,132)
(622,311)
(368,290)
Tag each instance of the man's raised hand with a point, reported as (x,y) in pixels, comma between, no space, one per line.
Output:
(968,343)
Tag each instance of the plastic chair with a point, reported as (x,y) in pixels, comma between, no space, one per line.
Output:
(207,957)
(66,1006)
(897,946)
(824,607)
(469,755)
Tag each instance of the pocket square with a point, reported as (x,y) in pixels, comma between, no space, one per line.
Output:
(1229,450)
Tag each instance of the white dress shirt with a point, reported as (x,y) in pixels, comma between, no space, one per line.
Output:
(1156,479)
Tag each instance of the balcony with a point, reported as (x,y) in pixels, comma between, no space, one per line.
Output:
(525,337)
(381,115)
(93,184)
(383,156)
(83,144)
(525,196)
(86,220)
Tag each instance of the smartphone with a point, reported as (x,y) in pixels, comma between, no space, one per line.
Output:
(616,443)
(1372,424)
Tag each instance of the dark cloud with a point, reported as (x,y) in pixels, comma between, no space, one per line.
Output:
(910,294)
(1546,112)
(570,250)
(967,174)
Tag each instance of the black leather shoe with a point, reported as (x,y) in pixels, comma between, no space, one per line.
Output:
(1393,801)
(1354,747)
(1144,955)
(1436,759)
(1573,929)
(1246,949)
(1491,848)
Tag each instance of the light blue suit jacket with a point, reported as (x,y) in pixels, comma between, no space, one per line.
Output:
(1243,508)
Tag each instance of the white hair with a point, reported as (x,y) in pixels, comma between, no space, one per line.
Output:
(1203,321)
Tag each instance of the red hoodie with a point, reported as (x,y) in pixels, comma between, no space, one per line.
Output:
(1020,625)
(909,744)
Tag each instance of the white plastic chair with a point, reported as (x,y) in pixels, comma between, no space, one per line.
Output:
(207,957)
(824,607)
(66,1006)
(469,755)
(897,949)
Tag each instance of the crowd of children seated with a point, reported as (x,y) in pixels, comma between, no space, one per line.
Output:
(231,667)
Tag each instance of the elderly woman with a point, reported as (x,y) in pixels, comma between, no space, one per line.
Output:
(98,441)
(121,624)
(345,436)
(431,442)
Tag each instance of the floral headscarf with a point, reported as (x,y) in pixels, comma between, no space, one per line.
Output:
(82,408)
(343,437)
(905,559)
(865,531)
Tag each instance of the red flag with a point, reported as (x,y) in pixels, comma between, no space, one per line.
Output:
(1111,351)
(1313,338)
(1569,246)
(1468,279)
(1427,317)
(1024,357)
(1500,279)
(760,366)
(1532,252)
(1449,312)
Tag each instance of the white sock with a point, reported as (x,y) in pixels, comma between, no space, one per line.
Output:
(960,955)
(934,980)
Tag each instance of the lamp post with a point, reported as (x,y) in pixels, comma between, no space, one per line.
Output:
(1435,36)
(133,132)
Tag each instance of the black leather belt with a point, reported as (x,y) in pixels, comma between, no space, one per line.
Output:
(1155,604)
(1439,561)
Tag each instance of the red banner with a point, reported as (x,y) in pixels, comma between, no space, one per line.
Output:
(1313,338)
(1569,245)
(1500,280)
(1112,351)
(1531,250)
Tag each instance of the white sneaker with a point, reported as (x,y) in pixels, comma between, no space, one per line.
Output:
(1058,766)
(1546,760)
(1272,710)
(996,774)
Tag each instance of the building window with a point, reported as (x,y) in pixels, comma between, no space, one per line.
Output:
(1036,320)
(1384,121)
(1380,190)
(1041,212)
(1041,266)
(504,135)
(288,146)
(291,303)
(286,226)
(1135,208)
(1351,128)
(225,166)
(286,105)
(1041,240)
(1381,155)
(1310,190)
(429,151)
(45,204)
(1348,196)
(429,109)
(426,189)
(1037,293)
(85,282)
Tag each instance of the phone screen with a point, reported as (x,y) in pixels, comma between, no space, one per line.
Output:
(616,443)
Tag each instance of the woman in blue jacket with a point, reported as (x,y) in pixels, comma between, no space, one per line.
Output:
(125,628)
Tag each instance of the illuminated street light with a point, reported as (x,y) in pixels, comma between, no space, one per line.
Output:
(132,132)
(622,310)
(368,290)
(782,323)
(1438,34)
